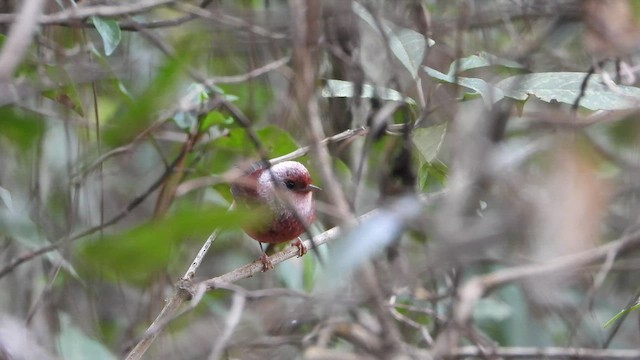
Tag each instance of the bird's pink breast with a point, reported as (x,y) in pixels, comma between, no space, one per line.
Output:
(282,229)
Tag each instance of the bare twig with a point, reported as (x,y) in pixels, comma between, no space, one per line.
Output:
(343,136)
(195,264)
(257,266)
(251,74)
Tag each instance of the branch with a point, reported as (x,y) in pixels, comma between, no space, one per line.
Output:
(257,266)
(234,79)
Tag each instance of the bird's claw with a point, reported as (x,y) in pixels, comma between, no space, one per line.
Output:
(266,262)
(302,249)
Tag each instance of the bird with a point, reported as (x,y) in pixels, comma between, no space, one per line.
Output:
(285,190)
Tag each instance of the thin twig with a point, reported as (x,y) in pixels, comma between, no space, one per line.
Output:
(345,135)
(234,79)
(191,272)
(195,264)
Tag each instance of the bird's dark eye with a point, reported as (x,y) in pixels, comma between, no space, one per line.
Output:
(290,184)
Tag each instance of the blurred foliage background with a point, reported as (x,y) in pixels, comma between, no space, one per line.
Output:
(497,140)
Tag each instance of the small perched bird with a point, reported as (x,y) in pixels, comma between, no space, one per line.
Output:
(285,190)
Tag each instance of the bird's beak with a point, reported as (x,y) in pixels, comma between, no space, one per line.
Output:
(311,187)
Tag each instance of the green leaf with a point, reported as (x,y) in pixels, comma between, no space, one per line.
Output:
(482,59)
(433,173)
(276,140)
(20,127)
(136,114)
(235,140)
(185,120)
(622,313)
(196,96)
(429,140)
(341,88)
(215,118)
(73,344)
(490,93)
(564,87)
(67,96)
(110,33)
(407,45)
(144,250)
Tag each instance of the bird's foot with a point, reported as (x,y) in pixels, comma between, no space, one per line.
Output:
(302,249)
(266,262)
